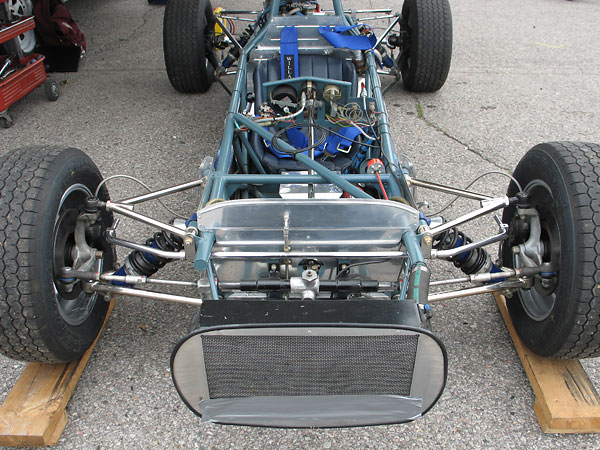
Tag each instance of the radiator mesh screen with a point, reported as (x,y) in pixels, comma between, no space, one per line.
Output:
(248,366)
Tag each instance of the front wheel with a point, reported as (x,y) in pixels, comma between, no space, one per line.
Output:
(426,49)
(559,225)
(44,315)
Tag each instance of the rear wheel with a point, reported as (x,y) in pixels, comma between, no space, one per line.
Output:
(44,315)
(426,49)
(559,315)
(188,31)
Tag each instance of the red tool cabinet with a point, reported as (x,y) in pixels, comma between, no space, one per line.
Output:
(24,72)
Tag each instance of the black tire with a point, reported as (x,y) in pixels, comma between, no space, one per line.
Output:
(188,31)
(426,50)
(560,319)
(42,190)
(51,90)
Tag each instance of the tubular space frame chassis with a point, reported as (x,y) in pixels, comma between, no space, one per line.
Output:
(218,184)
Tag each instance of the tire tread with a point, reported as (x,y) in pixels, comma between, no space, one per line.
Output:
(183,45)
(432,54)
(20,338)
(579,164)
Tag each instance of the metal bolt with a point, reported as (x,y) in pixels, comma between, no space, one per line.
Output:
(516,249)
(427,240)
(422,229)
(273,267)
(309,275)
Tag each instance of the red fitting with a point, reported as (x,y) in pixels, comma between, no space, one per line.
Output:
(375,166)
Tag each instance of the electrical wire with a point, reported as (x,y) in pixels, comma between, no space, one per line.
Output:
(279,132)
(321,127)
(384,156)
(381,186)
(492,172)
(342,122)
(129,177)
(347,123)
(363,132)
(351,111)
(261,120)
(363,263)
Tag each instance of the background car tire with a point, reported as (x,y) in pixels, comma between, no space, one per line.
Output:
(41,191)
(188,28)
(426,52)
(561,321)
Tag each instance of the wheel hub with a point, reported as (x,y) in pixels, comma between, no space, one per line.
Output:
(71,250)
(542,246)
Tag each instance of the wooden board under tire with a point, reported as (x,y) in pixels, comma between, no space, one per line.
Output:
(34,412)
(566,401)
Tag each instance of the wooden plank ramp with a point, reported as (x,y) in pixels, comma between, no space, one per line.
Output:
(34,412)
(566,401)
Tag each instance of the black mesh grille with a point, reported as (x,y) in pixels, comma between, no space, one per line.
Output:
(247,366)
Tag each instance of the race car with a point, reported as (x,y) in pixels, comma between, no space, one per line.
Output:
(313,259)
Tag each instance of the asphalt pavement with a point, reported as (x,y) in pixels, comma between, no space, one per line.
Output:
(523,72)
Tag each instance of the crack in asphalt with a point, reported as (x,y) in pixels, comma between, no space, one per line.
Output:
(145,18)
(429,123)
(129,38)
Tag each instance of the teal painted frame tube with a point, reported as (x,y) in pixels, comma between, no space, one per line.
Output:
(384,131)
(298,178)
(241,155)
(225,152)
(417,285)
(413,247)
(330,176)
(252,153)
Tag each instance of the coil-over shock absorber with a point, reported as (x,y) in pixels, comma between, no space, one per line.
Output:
(139,263)
(234,52)
(470,262)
